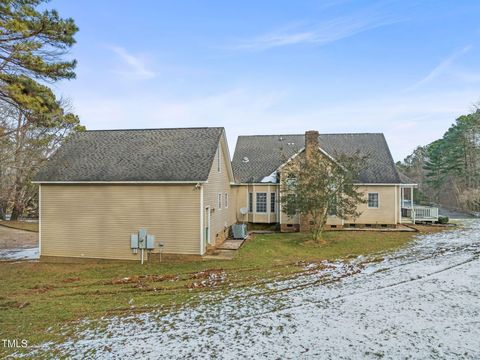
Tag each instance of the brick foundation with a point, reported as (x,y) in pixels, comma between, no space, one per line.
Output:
(287,228)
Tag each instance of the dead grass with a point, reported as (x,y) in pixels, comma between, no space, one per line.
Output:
(36,296)
(21,225)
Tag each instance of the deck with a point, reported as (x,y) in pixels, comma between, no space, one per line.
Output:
(418,213)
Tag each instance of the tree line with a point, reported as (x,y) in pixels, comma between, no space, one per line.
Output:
(33,120)
(448,169)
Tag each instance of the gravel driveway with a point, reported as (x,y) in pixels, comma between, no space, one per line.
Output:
(15,239)
(419,303)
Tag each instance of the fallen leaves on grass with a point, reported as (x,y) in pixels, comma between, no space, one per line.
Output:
(142,279)
(14,305)
(210,278)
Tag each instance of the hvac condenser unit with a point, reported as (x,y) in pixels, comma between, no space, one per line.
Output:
(239,231)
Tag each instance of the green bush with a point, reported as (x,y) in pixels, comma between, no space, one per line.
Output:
(443,220)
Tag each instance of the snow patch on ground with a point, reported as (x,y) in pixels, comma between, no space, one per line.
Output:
(417,303)
(20,254)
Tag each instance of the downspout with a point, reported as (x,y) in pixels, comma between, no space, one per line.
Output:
(40,219)
(202,247)
(395,204)
(254,204)
(269,195)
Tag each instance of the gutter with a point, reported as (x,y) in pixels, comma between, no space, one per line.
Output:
(119,182)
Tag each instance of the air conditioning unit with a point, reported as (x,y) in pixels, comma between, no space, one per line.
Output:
(239,231)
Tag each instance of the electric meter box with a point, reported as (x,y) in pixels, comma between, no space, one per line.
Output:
(134,241)
(150,242)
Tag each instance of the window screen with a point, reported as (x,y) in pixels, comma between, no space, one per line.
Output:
(373,200)
(261,202)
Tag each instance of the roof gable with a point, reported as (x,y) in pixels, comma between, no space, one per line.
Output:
(266,153)
(163,155)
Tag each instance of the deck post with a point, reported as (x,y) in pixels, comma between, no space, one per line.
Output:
(413,207)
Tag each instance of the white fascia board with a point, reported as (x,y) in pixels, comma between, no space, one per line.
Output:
(257,183)
(290,159)
(119,182)
(303,149)
(227,150)
(382,184)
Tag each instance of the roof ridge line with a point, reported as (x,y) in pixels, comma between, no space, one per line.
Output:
(148,129)
(351,133)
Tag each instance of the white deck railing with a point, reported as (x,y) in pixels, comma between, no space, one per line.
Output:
(420,213)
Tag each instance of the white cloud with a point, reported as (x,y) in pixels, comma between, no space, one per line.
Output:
(407,120)
(134,66)
(443,67)
(320,34)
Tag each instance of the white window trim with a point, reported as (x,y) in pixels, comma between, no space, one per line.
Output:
(225,201)
(274,202)
(378,201)
(219,201)
(266,203)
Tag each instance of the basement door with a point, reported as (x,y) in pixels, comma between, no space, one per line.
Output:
(207,225)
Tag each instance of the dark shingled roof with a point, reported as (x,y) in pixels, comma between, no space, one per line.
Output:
(405,179)
(134,155)
(265,153)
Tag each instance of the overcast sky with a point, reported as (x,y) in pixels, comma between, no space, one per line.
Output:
(404,68)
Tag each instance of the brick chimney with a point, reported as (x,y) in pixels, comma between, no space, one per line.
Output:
(311,142)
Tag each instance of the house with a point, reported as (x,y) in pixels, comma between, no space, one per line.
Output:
(102,186)
(180,185)
(258,160)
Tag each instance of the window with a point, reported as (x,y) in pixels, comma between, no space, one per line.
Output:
(219,201)
(225,201)
(261,202)
(218,159)
(332,211)
(272,202)
(250,202)
(373,200)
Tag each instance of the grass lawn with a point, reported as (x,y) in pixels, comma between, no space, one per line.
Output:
(35,296)
(22,225)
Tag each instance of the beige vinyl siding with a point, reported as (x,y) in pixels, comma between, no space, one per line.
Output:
(386,213)
(241,201)
(95,221)
(219,183)
(267,217)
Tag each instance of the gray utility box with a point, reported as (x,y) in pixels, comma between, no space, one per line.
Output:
(142,240)
(239,231)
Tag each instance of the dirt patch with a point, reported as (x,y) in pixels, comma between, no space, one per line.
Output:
(432,228)
(70,280)
(13,305)
(209,278)
(14,239)
(40,289)
(142,279)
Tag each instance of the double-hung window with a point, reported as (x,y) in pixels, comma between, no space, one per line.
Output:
(219,201)
(261,202)
(272,202)
(225,201)
(373,200)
